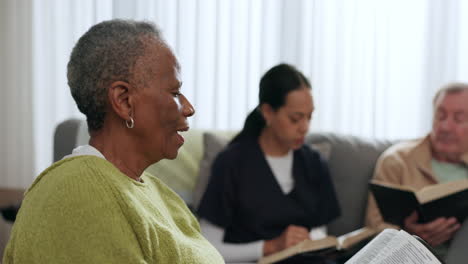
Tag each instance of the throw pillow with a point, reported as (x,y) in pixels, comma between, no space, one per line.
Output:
(213,143)
(179,174)
(323,148)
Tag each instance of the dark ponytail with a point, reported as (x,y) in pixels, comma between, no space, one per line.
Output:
(253,126)
(275,85)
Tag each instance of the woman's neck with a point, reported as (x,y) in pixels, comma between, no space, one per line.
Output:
(270,144)
(118,150)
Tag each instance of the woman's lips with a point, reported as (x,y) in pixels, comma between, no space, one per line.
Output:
(180,138)
(299,141)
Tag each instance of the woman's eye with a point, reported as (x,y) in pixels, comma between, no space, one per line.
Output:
(177,94)
(294,120)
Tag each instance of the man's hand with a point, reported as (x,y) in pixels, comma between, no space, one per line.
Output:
(291,236)
(435,232)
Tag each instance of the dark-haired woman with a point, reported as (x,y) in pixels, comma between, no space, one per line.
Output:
(269,191)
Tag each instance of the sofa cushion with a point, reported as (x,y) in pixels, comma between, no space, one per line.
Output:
(352,161)
(213,143)
(457,251)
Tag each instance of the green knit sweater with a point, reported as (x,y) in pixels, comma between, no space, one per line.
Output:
(84,210)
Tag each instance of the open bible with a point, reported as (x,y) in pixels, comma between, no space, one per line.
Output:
(392,246)
(330,246)
(396,202)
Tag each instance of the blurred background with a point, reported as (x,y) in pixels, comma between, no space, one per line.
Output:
(374,64)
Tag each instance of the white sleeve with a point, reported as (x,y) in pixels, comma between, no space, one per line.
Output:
(231,252)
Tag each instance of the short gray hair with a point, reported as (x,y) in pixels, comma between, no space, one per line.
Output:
(106,53)
(451,88)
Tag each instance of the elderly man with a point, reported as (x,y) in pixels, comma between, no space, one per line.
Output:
(439,157)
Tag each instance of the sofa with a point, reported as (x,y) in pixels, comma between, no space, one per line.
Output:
(9,200)
(351,160)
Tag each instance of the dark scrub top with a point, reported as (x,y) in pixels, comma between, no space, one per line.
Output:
(244,198)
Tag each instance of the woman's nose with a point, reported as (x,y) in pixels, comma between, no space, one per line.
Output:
(305,126)
(187,109)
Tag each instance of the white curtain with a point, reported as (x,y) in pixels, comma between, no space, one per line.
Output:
(16,101)
(374,64)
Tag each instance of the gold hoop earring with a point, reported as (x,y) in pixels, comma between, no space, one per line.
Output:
(130,124)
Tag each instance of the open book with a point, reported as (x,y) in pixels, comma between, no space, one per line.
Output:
(392,246)
(396,202)
(327,245)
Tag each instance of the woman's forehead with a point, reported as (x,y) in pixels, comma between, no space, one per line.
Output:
(159,62)
(301,98)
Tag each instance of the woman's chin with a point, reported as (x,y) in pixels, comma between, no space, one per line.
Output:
(173,151)
(170,153)
(296,146)
(173,146)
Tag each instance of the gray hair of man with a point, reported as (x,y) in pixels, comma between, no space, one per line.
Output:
(451,88)
(106,53)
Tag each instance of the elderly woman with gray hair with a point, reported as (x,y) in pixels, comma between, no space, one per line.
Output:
(97,205)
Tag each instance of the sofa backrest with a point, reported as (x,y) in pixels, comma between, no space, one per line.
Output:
(351,161)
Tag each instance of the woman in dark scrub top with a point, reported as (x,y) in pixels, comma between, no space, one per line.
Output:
(267,190)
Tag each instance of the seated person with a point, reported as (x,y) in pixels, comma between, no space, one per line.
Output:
(96,205)
(9,213)
(439,157)
(267,189)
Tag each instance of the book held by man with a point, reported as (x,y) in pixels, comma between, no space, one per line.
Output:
(396,202)
(328,247)
(393,246)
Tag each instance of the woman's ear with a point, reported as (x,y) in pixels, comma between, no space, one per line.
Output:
(267,112)
(120,99)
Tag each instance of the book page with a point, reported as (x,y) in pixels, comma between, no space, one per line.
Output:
(347,240)
(368,253)
(436,191)
(302,247)
(405,249)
